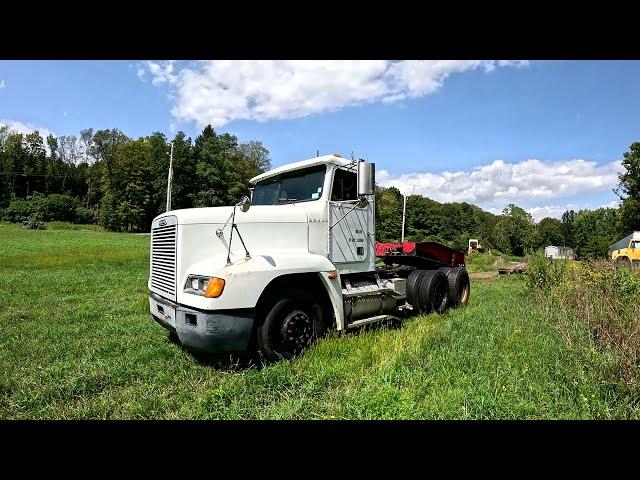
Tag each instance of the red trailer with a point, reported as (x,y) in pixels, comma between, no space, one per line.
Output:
(426,255)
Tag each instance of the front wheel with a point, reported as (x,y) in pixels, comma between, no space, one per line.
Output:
(289,327)
(623,262)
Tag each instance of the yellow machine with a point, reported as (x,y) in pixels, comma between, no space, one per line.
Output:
(626,250)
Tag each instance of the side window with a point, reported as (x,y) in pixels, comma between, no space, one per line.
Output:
(635,244)
(345,186)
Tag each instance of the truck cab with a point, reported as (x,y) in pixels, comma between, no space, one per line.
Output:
(295,260)
(627,250)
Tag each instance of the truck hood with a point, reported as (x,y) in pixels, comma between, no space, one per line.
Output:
(256,214)
(203,236)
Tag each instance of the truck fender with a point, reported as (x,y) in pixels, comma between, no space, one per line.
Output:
(318,284)
(247,280)
(334,290)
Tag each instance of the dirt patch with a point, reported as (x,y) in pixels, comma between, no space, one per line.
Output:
(483,275)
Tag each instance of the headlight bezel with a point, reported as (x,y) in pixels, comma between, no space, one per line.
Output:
(205,286)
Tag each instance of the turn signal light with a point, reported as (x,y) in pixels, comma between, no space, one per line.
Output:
(214,288)
(333,275)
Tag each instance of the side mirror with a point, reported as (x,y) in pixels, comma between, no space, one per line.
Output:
(244,203)
(366,178)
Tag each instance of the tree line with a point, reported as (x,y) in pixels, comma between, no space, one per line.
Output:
(108,178)
(105,177)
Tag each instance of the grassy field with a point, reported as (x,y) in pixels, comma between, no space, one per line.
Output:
(77,342)
(490,262)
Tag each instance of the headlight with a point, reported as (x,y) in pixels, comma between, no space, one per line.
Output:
(210,287)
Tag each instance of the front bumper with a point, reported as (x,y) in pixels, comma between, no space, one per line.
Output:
(208,331)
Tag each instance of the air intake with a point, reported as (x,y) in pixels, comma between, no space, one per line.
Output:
(163,256)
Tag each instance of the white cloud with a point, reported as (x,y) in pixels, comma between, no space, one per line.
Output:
(1,84)
(20,127)
(495,185)
(556,211)
(611,204)
(553,211)
(220,91)
(161,72)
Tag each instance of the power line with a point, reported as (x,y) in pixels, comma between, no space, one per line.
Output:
(22,174)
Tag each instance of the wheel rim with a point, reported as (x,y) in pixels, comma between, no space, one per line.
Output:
(465,294)
(296,331)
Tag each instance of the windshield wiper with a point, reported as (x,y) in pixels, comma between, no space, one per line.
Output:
(290,200)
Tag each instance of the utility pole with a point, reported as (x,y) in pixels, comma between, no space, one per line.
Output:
(404,211)
(404,214)
(170,179)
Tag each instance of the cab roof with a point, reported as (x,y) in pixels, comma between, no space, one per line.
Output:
(311,162)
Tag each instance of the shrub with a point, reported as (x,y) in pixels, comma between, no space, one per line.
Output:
(604,299)
(84,215)
(544,275)
(30,208)
(60,207)
(38,207)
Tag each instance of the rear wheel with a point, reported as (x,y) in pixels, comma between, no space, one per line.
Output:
(412,284)
(459,285)
(432,292)
(289,327)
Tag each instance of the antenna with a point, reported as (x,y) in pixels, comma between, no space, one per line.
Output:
(352,157)
(318,152)
(170,179)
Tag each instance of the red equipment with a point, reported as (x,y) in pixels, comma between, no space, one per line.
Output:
(420,254)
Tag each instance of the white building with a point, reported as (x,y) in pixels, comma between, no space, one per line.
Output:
(558,252)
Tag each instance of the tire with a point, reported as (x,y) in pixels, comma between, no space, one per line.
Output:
(289,327)
(433,292)
(412,283)
(459,285)
(623,262)
(173,337)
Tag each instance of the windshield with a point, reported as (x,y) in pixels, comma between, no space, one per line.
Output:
(290,187)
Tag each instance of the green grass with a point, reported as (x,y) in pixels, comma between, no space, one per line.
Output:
(77,342)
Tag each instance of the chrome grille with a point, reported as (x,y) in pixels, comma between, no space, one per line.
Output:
(163,259)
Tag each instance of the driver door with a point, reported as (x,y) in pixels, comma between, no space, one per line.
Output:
(349,237)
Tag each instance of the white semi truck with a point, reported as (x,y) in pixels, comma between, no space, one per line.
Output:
(297,259)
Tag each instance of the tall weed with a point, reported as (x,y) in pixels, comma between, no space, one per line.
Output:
(605,299)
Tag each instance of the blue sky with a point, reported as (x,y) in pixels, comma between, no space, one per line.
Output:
(546,135)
